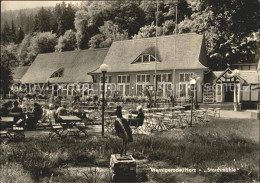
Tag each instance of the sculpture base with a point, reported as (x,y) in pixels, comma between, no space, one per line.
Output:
(255,115)
(122,169)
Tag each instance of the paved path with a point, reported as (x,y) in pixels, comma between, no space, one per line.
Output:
(236,114)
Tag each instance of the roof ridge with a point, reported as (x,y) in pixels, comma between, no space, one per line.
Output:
(86,50)
(147,38)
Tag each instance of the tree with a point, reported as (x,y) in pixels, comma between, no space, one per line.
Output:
(13,37)
(5,79)
(23,50)
(97,41)
(148,31)
(63,16)
(42,43)
(129,17)
(36,43)
(20,35)
(166,11)
(86,24)
(67,42)
(82,25)
(5,34)
(42,21)
(109,32)
(228,27)
(9,56)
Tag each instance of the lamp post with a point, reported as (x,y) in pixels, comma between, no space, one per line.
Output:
(192,85)
(236,73)
(104,69)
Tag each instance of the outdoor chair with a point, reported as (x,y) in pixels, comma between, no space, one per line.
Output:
(217,113)
(82,129)
(17,133)
(3,135)
(135,125)
(148,121)
(168,122)
(210,114)
(158,123)
(56,130)
(72,132)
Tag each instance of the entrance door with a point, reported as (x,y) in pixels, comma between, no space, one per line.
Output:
(124,89)
(229,93)
(219,93)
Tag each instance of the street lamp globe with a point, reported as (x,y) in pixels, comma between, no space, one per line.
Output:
(104,67)
(236,72)
(193,81)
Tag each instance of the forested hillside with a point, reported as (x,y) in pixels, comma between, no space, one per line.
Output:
(231,27)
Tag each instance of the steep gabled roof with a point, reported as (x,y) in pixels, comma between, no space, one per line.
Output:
(247,76)
(189,49)
(18,73)
(76,65)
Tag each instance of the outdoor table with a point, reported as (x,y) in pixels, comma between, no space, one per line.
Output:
(110,112)
(70,120)
(92,107)
(160,113)
(6,122)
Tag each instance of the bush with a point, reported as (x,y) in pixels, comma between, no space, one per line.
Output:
(14,172)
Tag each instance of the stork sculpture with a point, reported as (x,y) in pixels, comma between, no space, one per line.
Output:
(123,130)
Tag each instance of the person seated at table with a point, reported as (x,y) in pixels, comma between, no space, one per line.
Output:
(19,117)
(139,120)
(119,111)
(61,111)
(34,117)
(4,111)
(57,101)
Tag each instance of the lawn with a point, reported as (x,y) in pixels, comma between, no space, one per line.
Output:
(222,143)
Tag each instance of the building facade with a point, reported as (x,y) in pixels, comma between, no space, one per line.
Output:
(133,65)
(63,73)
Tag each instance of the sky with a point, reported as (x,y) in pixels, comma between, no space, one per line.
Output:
(14,5)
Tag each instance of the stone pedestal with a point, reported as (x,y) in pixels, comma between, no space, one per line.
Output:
(237,107)
(255,115)
(123,169)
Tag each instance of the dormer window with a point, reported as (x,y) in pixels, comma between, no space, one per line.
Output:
(58,73)
(144,59)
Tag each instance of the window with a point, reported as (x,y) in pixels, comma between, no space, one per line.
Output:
(185,77)
(107,78)
(144,78)
(123,79)
(164,77)
(70,90)
(138,78)
(139,90)
(58,73)
(145,59)
(183,90)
